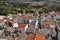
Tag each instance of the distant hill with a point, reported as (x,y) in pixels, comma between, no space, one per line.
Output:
(28,0)
(23,0)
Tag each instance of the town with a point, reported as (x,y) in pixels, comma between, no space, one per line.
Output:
(33,25)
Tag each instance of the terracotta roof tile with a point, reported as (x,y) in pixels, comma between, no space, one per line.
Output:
(49,19)
(57,12)
(1,20)
(52,22)
(40,37)
(47,25)
(45,22)
(58,19)
(31,15)
(3,17)
(37,37)
(23,17)
(30,37)
(22,26)
(43,14)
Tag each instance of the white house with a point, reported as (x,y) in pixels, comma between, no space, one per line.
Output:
(15,24)
(2,17)
(52,26)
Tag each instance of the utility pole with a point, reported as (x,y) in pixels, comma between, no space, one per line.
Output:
(39,24)
(36,24)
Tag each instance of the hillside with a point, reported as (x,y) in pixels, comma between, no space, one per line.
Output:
(28,0)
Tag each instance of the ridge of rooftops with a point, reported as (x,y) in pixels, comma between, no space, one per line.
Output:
(47,24)
(36,36)
(29,16)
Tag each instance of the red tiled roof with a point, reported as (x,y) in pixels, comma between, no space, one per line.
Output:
(30,37)
(26,16)
(23,17)
(22,26)
(51,22)
(19,16)
(15,38)
(40,37)
(47,25)
(43,14)
(3,17)
(31,15)
(2,20)
(37,37)
(58,19)
(57,12)
(49,19)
